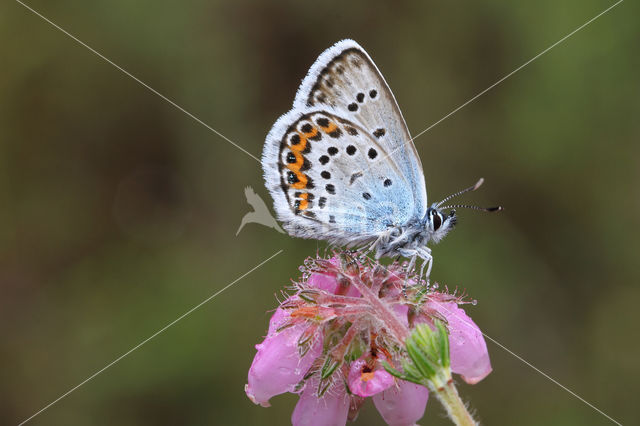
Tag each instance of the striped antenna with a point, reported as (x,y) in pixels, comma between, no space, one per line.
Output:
(471,188)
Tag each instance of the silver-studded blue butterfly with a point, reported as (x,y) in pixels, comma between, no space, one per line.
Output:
(342,167)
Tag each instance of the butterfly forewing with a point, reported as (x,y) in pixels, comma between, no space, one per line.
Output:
(345,79)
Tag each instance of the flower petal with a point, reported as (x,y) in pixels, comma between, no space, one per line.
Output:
(329,283)
(402,311)
(278,319)
(277,367)
(365,382)
(468,349)
(331,409)
(402,405)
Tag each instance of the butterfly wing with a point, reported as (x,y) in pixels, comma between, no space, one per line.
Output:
(345,78)
(340,172)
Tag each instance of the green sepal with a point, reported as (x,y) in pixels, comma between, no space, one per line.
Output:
(284,327)
(329,367)
(304,344)
(399,374)
(443,343)
(420,359)
(412,372)
(323,387)
(305,295)
(428,350)
(356,348)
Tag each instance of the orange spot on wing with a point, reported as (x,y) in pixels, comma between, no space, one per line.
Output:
(299,162)
(299,147)
(312,133)
(295,167)
(330,128)
(302,181)
(304,201)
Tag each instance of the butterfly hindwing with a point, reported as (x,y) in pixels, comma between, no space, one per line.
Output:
(338,180)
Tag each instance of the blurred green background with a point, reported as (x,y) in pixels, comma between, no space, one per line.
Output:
(119,212)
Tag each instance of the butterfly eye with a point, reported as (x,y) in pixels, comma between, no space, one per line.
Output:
(437,221)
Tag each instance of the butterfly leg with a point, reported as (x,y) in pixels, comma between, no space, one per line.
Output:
(412,255)
(373,246)
(427,260)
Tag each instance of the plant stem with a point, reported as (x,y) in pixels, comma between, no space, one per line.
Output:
(384,312)
(448,396)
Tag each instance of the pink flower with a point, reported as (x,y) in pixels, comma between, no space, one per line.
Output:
(329,410)
(329,340)
(365,380)
(469,355)
(403,404)
(278,367)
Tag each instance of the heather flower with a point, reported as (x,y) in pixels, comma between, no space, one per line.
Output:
(353,329)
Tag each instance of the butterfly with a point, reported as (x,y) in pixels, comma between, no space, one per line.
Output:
(341,165)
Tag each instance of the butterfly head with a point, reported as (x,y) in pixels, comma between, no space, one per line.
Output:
(437,223)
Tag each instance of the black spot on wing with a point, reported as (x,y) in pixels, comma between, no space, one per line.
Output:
(323,122)
(336,133)
(379,133)
(354,176)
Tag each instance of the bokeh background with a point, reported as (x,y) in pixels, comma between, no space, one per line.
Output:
(118,212)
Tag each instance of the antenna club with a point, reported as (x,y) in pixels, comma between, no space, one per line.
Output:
(478,184)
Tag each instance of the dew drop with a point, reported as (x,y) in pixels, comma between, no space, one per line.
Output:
(474,302)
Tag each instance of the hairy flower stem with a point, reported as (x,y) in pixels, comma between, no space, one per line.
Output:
(457,411)
(383,311)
